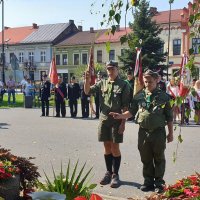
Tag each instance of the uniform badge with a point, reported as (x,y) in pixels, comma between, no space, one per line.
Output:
(144,104)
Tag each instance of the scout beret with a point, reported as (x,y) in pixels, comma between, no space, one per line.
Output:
(111,63)
(150,73)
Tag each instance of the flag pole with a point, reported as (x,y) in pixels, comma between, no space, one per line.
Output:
(53,78)
(54,101)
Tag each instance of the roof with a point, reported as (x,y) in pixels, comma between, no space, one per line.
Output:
(163,16)
(113,38)
(46,33)
(81,38)
(16,35)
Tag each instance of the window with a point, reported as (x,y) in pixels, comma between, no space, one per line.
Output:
(42,56)
(196,45)
(176,47)
(76,59)
(11,56)
(31,56)
(57,59)
(112,55)
(31,74)
(161,50)
(21,57)
(65,59)
(42,73)
(84,58)
(99,56)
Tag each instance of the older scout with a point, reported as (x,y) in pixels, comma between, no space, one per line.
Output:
(114,97)
(153,113)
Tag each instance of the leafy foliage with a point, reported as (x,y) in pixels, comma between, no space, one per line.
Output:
(145,29)
(72,186)
(27,170)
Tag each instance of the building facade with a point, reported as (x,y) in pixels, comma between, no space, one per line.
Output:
(33,51)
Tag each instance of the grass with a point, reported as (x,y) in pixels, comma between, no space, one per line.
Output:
(19,98)
(19,101)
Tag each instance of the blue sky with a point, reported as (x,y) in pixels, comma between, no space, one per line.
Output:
(26,12)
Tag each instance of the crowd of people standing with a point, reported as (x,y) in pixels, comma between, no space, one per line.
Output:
(73,91)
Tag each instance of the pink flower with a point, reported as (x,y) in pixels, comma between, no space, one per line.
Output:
(187,192)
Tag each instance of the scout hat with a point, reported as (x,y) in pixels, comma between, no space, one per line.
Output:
(111,63)
(151,73)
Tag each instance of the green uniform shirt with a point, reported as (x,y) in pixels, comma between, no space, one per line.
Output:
(113,96)
(152,110)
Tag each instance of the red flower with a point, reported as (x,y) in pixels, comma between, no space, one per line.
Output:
(95,197)
(80,198)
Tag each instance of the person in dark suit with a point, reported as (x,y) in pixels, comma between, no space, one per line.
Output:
(45,94)
(73,95)
(85,101)
(60,96)
(96,97)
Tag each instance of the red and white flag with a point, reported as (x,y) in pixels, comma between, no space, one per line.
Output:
(91,66)
(138,65)
(138,83)
(185,77)
(53,75)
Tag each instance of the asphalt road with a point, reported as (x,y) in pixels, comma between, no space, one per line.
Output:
(52,140)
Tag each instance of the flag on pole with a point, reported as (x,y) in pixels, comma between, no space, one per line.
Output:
(91,66)
(185,77)
(138,85)
(53,75)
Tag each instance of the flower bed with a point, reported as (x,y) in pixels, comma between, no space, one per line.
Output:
(186,188)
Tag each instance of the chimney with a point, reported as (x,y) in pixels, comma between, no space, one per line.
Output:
(35,26)
(91,30)
(153,10)
(71,21)
(80,28)
(6,27)
(118,28)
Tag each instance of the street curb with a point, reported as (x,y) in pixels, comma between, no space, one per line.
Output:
(107,197)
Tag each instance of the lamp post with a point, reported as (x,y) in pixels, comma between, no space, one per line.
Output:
(3,45)
(170,8)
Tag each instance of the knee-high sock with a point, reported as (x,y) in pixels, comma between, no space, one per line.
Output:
(109,161)
(116,164)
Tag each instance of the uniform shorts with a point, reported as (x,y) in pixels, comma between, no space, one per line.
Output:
(108,130)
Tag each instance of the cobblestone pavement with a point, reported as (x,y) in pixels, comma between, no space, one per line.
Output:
(52,140)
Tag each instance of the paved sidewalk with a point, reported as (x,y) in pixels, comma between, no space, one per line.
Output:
(51,140)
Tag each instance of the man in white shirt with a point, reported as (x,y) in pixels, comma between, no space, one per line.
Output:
(23,83)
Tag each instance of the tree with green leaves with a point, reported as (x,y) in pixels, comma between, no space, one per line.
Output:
(145,29)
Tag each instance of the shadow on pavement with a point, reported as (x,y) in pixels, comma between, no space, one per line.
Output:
(2,125)
(134,184)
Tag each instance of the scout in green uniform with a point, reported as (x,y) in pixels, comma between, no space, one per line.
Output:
(113,97)
(153,111)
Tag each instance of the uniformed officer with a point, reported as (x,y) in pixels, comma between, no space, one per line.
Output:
(73,96)
(114,97)
(154,112)
(60,96)
(45,94)
(96,96)
(85,100)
